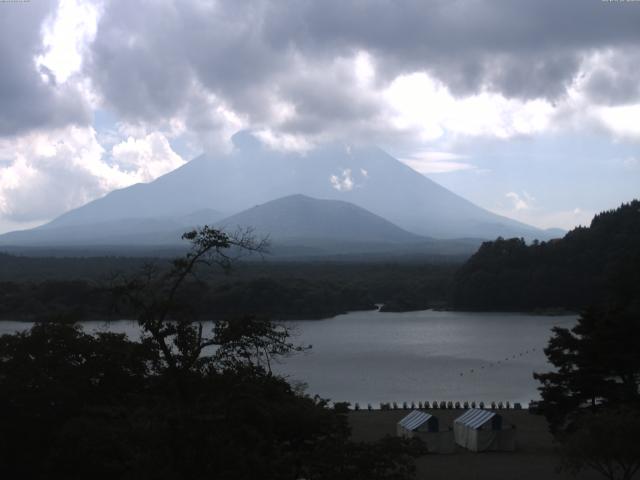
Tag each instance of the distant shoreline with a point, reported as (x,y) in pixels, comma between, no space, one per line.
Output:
(536,312)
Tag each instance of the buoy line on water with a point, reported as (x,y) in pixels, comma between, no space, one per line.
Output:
(500,362)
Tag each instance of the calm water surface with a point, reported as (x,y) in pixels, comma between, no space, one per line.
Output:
(370,357)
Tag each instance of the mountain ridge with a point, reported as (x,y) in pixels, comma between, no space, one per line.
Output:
(253,175)
(299,216)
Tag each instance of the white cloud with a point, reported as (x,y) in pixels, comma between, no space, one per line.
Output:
(45,174)
(520,202)
(435,156)
(585,106)
(342,182)
(66,34)
(426,105)
(623,121)
(436,162)
(365,71)
(48,173)
(146,158)
(523,207)
(283,141)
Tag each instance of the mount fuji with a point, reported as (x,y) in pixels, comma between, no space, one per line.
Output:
(210,188)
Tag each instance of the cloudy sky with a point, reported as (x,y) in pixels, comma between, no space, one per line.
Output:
(530,109)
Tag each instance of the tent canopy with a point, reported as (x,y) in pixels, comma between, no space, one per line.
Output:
(419,420)
(482,430)
(477,418)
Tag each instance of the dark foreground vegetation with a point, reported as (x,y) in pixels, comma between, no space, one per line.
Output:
(182,403)
(76,406)
(598,263)
(591,399)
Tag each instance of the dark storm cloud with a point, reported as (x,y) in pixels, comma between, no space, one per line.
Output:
(26,100)
(137,60)
(148,57)
(616,80)
(317,101)
(520,48)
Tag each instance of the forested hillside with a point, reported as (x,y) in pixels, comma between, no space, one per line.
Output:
(40,288)
(589,265)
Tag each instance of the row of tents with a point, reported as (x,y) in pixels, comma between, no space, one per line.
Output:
(477,430)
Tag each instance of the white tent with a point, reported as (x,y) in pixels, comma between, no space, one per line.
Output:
(425,426)
(482,431)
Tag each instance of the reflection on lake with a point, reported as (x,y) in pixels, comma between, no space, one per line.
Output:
(369,357)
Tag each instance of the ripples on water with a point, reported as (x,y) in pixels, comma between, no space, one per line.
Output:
(372,357)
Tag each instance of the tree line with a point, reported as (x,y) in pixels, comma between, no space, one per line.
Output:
(594,263)
(277,290)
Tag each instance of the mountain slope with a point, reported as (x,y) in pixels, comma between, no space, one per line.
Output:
(119,231)
(253,174)
(300,218)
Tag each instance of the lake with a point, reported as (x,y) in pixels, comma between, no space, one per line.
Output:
(372,357)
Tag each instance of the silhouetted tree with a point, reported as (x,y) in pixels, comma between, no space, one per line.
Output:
(592,399)
(154,294)
(55,381)
(606,442)
(597,364)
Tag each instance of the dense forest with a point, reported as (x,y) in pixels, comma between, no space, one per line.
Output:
(589,265)
(33,288)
